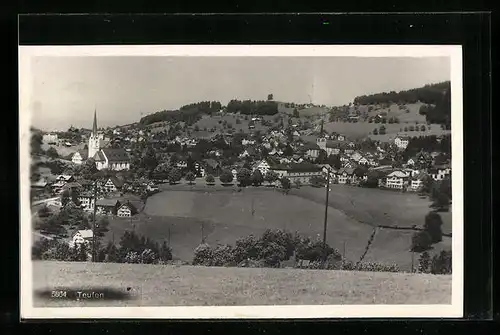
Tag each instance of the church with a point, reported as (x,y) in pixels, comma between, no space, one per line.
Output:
(105,158)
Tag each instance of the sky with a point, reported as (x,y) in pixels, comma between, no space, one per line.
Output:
(67,90)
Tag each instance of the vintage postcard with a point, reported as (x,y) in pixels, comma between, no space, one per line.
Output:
(241,181)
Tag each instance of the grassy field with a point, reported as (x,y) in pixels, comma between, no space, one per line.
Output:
(221,215)
(160,285)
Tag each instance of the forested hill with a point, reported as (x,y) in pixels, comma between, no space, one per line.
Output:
(429,94)
(436,99)
(188,113)
(193,112)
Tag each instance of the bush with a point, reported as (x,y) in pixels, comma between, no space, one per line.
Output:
(272,254)
(317,181)
(223,255)
(377,267)
(52,152)
(421,241)
(247,248)
(210,179)
(226,177)
(203,255)
(441,264)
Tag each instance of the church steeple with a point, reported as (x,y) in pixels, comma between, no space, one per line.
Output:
(94,127)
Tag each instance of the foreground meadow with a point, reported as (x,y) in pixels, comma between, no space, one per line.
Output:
(164,285)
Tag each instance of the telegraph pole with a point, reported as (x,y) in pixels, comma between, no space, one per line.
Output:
(93,221)
(326,210)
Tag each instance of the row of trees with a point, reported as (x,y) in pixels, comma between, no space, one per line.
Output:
(250,107)
(133,248)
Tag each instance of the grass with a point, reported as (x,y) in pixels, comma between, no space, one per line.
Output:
(163,285)
(222,215)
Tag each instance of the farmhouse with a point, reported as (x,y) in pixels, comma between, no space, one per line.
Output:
(345,176)
(107,206)
(126,210)
(112,159)
(262,166)
(113,184)
(439,172)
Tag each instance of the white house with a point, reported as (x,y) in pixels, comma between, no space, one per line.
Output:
(401,142)
(182,164)
(363,161)
(82,236)
(50,138)
(417,181)
(397,179)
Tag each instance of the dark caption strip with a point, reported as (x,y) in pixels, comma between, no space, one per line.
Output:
(86,294)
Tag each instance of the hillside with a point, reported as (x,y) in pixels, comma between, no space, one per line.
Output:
(166,285)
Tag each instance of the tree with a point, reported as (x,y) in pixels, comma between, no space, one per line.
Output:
(257,178)
(101,227)
(322,157)
(285,185)
(174,176)
(44,212)
(297,183)
(190,177)
(244,177)
(382,130)
(270,97)
(375,131)
(210,179)
(52,152)
(36,143)
(432,225)
(88,169)
(440,200)
(165,253)
(421,241)
(424,262)
(226,177)
(271,176)
(295,113)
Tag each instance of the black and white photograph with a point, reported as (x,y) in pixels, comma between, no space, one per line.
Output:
(241,181)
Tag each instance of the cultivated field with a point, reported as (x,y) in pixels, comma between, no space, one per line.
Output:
(160,285)
(222,215)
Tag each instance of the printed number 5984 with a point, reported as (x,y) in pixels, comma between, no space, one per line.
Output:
(58,294)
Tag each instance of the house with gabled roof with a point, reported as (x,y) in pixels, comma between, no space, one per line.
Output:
(397,179)
(79,157)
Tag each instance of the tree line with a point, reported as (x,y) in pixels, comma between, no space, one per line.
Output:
(429,94)
(250,107)
(188,113)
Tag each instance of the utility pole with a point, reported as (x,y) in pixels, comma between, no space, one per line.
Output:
(202,237)
(93,221)
(412,261)
(326,210)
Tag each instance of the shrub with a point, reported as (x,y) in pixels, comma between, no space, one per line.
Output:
(132,257)
(223,255)
(317,181)
(421,241)
(203,255)
(272,254)
(210,179)
(441,264)
(377,267)
(226,177)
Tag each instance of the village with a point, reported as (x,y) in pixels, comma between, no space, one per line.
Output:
(135,161)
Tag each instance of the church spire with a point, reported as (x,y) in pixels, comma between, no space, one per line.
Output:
(94,127)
